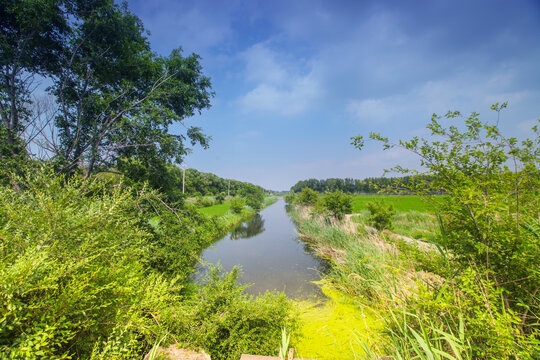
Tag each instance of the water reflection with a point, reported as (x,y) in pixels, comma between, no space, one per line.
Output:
(272,259)
(248,229)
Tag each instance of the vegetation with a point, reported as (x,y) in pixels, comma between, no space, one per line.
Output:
(337,203)
(114,99)
(466,293)
(97,242)
(404,203)
(228,323)
(365,186)
(96,269)
(381,216)
(202,184)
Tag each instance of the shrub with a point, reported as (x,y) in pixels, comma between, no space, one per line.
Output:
(220,197)
(237,205)
(227,322)
(255,201)
(290,197)
(338,204)
(381,215)
(72,270)
(307,197)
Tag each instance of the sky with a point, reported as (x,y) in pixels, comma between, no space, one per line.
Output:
(295,80)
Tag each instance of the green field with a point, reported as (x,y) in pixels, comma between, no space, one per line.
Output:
(402,203)
(222,209)
(216,210)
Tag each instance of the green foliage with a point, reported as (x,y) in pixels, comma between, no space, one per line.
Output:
(284,346)
(381,215)
(237,205)
(290,197)
(72,274)
(211,184)
(492,190)
(13,158)
(228,323)
(307,197)
(467,305)
(96,269)
(366,186)
(116,98)
(220,198)
(337,203)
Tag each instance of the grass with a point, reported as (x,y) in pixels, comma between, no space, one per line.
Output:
(403,203)
(379,277)
(216,210)
(413,224)
(222,209)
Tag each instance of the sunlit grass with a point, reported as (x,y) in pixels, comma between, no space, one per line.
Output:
(413,224)
(400,202)
(216,210)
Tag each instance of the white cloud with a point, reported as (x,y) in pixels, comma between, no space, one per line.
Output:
(280,86)
(370,110)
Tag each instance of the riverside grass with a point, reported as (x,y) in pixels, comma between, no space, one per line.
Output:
(225,208)
(425,315)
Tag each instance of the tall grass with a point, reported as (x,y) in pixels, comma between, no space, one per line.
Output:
(459,315)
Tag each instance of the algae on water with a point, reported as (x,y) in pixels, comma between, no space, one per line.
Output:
(337,329)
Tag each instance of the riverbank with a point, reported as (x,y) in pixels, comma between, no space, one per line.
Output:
(426,306)
(228,219)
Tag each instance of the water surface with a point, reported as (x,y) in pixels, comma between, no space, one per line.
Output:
(270,254)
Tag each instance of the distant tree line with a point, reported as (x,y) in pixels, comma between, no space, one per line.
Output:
(348,185)
(200,183)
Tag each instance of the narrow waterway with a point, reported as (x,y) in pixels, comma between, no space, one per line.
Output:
(270,255)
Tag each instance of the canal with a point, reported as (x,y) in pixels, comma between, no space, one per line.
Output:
(271,256)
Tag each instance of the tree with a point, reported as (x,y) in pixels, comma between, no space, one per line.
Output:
(338,204)
(493,188)
(307,197)
(116,99)
(32,38)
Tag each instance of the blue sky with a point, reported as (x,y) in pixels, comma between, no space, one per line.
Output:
(294,80)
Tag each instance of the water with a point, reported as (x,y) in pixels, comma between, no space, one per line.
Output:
(270,254)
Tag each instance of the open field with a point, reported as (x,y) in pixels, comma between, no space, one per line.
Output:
(402,203)
(216,210)
(222,209)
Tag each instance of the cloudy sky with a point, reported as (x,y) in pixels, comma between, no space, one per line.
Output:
(294,80)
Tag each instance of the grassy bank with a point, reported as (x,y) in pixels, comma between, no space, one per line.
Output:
(420,304)
(96,269)
(225,207)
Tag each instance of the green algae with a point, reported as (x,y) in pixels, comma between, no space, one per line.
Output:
(338,328)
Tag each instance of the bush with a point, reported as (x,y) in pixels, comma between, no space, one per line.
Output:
(255,201)
(72,271)
(381,215)
(227,322)
(307,197)
(338,204)
(220,197)
(237,205)
(289,197)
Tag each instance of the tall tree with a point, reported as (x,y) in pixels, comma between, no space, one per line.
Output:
(32,37)
(116,98)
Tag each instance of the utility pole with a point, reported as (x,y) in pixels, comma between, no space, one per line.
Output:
(229,188)
(183,178)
